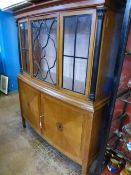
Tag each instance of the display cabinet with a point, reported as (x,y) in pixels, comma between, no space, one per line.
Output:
(68,54)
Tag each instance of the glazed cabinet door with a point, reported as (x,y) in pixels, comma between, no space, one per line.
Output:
(30,102)
(24,47)
(77,38)
(62,126)
(44,36)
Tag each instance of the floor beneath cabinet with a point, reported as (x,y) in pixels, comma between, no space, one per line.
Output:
(22,151)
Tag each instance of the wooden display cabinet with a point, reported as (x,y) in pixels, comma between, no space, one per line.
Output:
(68,53)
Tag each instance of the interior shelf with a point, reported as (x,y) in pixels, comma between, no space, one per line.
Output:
(119,152)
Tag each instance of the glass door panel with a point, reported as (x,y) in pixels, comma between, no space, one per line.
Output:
(68,72)
(23,28)
(83,35)
(80,75)
(76,41)
(44,49)
(69,35)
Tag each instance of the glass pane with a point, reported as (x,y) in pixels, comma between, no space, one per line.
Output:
(68,73)
(25,60)
(80,75)
(44,36)
(24,46)
(83,35)
(76,40)
(69,35)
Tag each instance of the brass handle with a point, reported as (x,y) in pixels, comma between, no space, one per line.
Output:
(40,124)
(59,126)
(41,116)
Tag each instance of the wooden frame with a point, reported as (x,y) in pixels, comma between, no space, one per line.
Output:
(19,34)
(90,53)
(30,41)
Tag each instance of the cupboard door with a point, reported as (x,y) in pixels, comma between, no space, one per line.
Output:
(30,100)
(44,48)
(62,126)
(77,31)
(23,33)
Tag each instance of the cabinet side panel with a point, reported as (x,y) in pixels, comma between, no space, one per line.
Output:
(92,126)
(109,48)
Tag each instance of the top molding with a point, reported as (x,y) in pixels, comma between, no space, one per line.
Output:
(55,6)
(61,5)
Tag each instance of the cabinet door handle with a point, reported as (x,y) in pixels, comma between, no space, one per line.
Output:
(41,116)
(40,124)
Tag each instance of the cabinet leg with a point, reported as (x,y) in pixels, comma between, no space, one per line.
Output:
(84,168)
(23,122)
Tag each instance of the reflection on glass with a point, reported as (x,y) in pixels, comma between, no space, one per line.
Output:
(44,35)
(83,36)
(80,75)
(69,35)
(68,73)
(76,37)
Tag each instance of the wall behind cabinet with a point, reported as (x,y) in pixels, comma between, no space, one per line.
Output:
(9,55)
